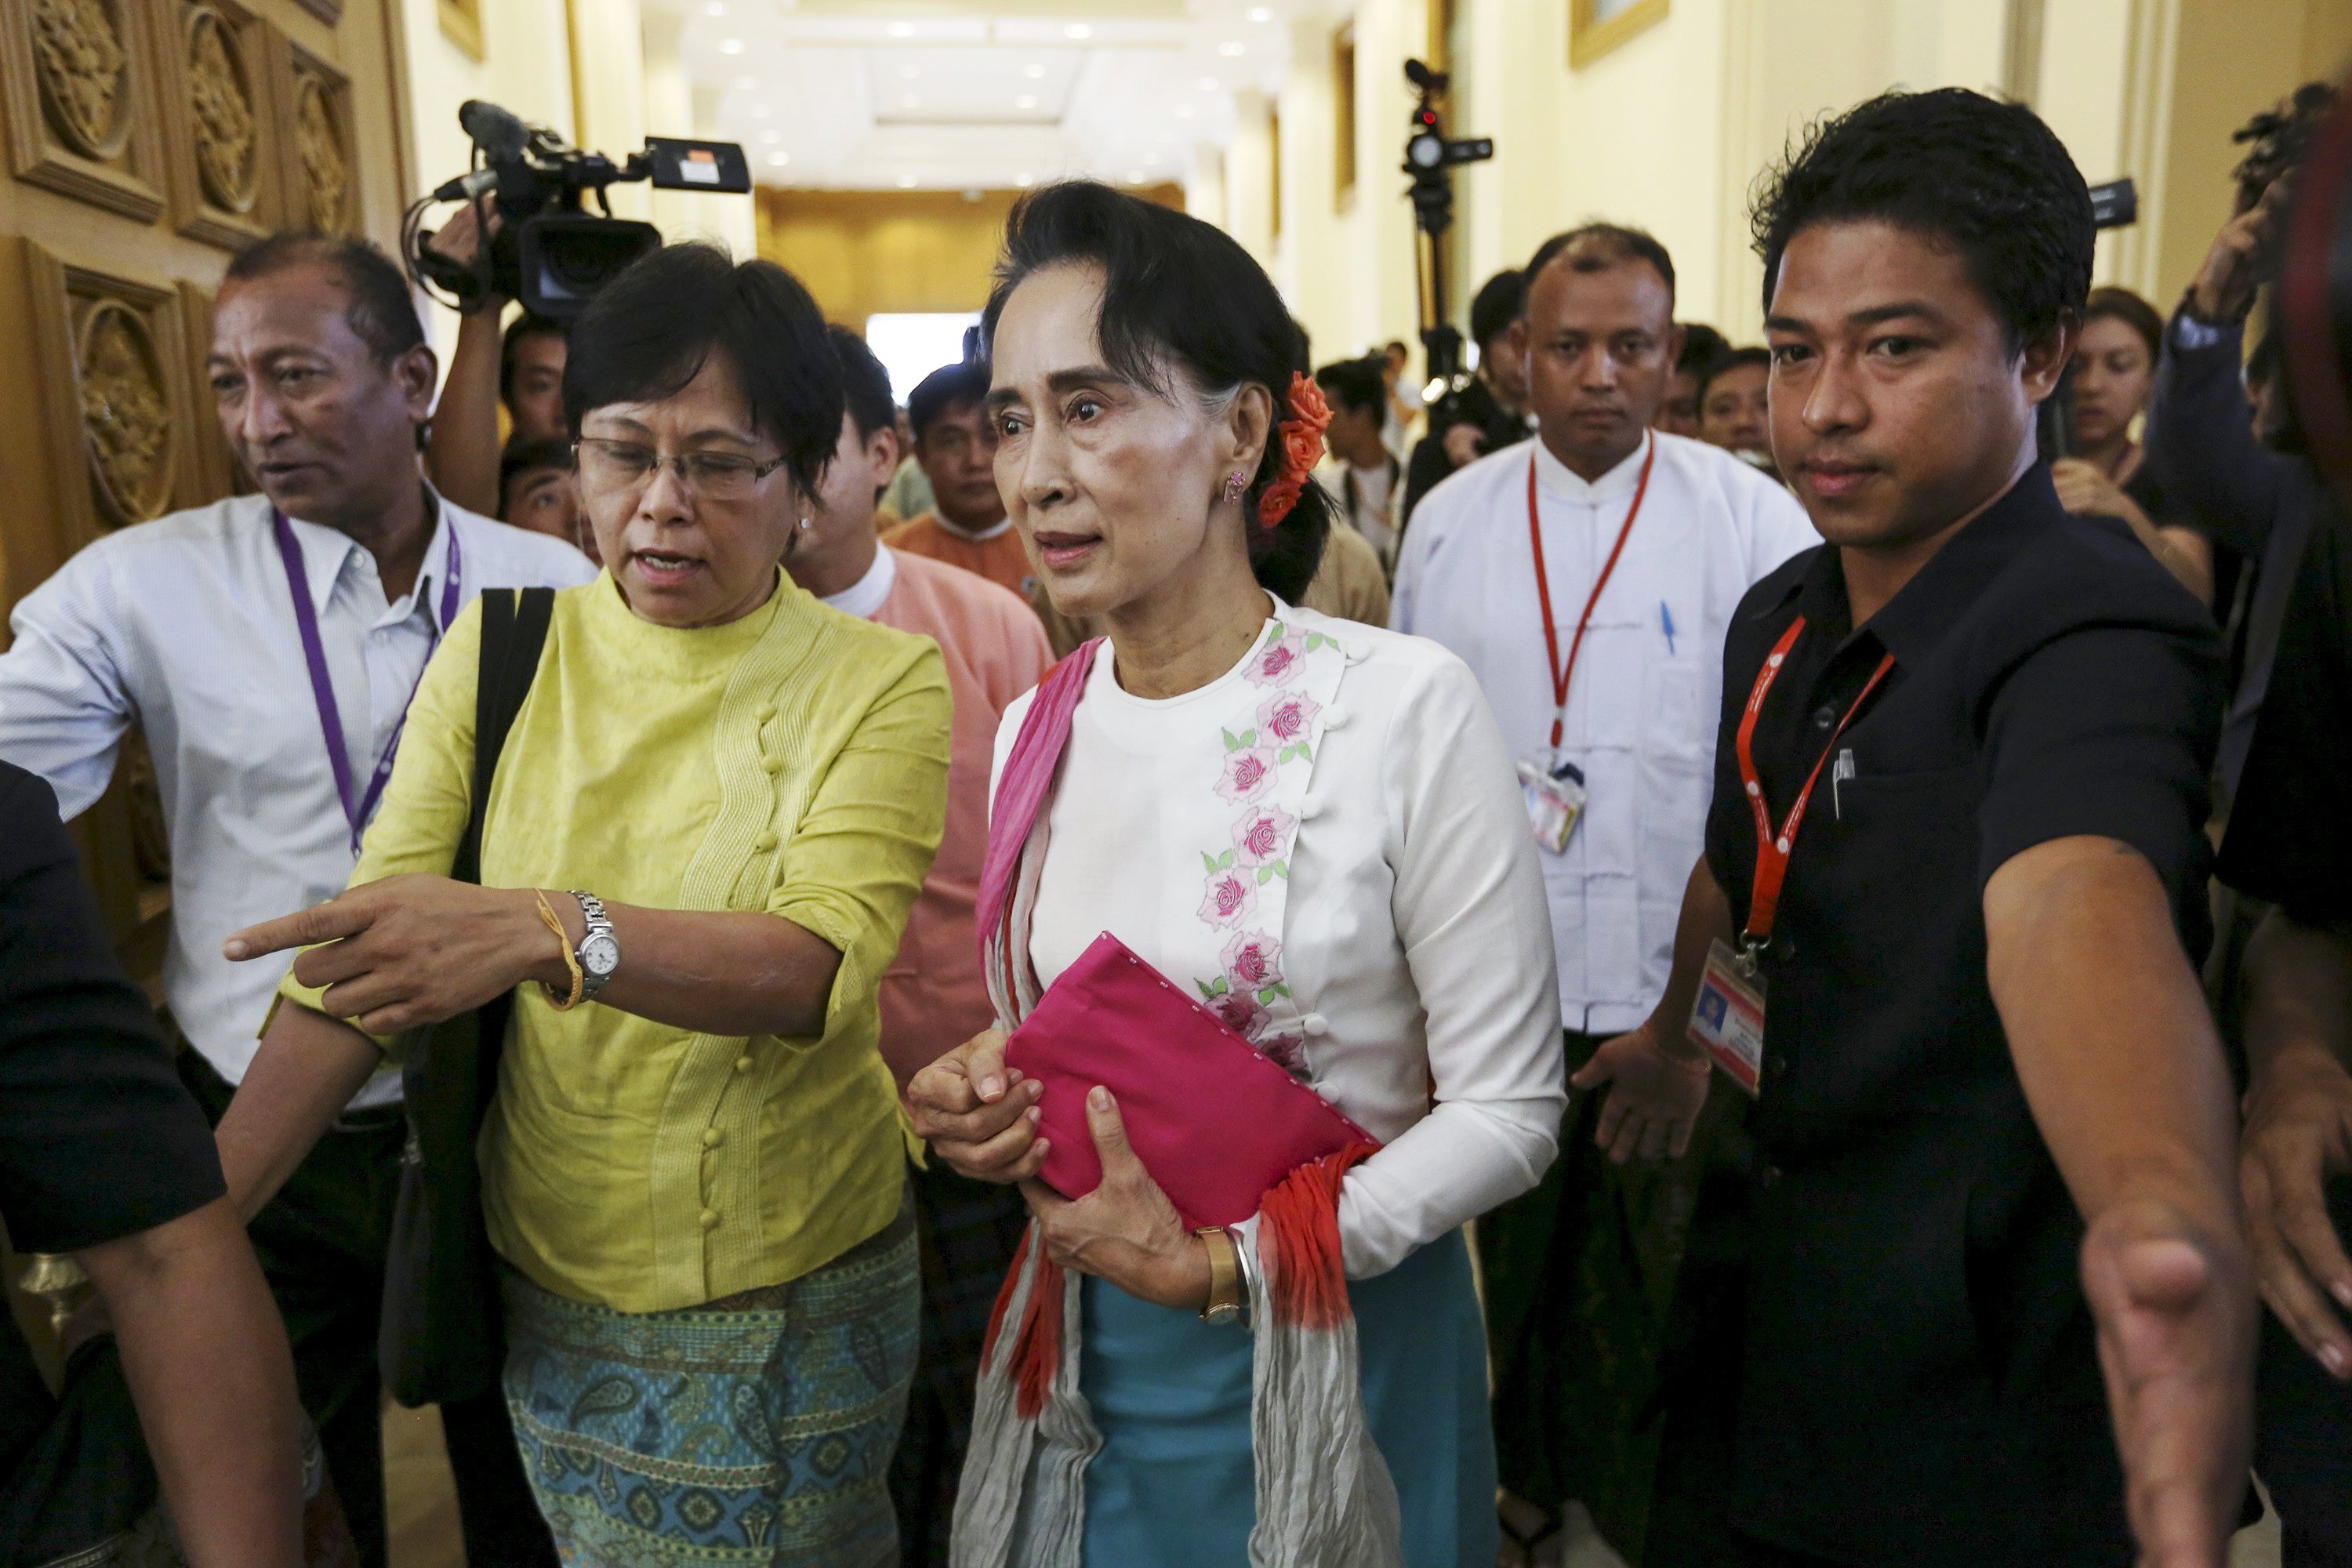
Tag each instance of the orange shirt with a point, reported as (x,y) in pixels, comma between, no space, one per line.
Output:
(999,557)
(933,999)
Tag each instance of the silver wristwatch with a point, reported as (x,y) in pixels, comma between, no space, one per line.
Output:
(599,951)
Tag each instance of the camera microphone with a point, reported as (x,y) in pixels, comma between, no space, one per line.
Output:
(466,187)
(500,134)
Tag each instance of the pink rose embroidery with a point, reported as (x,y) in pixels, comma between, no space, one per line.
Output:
(1262,835)
(1239,1011)
(1288,716)
(1288,1053)
(1229,900)
(1249,774)
(1253,960)
(1275,663)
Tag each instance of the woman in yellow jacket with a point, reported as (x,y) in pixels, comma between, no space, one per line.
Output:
(725,795)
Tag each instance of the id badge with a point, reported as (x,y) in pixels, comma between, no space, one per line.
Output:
(1727,1019)
(1554,794)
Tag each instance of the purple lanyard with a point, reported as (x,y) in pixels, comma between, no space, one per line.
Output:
(357,809)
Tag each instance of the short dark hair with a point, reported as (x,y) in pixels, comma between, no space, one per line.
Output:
(1597,247)
(865,383)
(1178,293)
(1356,383)
(527,325)
(1730,359)
(521,456)
(1496,306)
(2123,305)
(382,313)
(652,329)
(1987,176)
(937,393)
(1702,346)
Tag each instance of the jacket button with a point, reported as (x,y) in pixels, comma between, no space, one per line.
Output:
(767,711)
(712,1137)
(1824,716)
(742,1064)
(1776,1065)
(1316,1024)
(765,841)
(709,1219)
(1770,1177)
(1784,947)
(771,765)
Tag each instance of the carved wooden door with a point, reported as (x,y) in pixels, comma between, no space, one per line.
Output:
(146,140)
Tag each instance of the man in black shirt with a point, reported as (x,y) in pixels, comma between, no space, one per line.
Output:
(1491,412)
(2290,842)
(104,1153)
(1959,793)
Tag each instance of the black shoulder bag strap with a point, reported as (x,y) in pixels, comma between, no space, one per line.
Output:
(441,1340)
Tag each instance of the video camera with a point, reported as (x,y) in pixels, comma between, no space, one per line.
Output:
(550,253)
(1430,157)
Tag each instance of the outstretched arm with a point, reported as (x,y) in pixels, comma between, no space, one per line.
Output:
(205,1357)
(2124,1076)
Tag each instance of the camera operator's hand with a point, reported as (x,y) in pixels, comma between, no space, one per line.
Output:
(1465,444)
(461,239)
(2243,258)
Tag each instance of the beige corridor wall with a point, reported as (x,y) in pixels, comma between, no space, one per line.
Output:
(1670,130)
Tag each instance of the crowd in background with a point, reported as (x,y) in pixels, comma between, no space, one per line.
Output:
(609,851)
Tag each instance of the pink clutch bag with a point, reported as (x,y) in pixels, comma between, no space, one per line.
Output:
(1215,1120)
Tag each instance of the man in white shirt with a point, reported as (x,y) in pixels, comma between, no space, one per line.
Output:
(1362,474)
(1602,658)
(271,719)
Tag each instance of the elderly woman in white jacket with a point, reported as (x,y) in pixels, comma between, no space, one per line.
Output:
(1311,826)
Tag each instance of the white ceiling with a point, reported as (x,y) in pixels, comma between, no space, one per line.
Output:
(963,94)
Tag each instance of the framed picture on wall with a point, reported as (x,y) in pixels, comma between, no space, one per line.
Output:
(1597,26)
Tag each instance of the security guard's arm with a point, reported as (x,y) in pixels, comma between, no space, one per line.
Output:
(2298,1127)
(2124,1076)
(1657,1078)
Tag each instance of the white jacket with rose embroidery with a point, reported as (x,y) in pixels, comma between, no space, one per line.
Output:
(1411,980)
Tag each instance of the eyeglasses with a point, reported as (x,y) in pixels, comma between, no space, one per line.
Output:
(614,467)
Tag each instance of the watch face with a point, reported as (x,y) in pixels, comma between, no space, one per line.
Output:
(600,955)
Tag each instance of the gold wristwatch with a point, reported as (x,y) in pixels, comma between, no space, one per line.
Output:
(1225,1304)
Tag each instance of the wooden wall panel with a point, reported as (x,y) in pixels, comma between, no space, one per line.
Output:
(216,60)
(78,87)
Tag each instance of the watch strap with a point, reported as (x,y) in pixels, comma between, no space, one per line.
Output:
(597,923)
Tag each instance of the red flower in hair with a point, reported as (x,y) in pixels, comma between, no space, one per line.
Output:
(1302,449)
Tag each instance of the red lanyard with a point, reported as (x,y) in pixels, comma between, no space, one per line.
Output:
(1772,848)
(1559,672)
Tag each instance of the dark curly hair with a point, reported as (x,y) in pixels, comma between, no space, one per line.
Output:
(1987,176)
(1178,293)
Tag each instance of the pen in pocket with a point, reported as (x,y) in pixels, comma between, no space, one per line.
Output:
(1666,625)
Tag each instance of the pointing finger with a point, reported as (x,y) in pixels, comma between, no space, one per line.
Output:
(329,922)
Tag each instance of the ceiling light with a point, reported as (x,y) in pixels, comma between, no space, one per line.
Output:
(730,45)
(771,134)
(747,84)
(1183,112)
(1259,14)
(902,29)
(777,160)
(909,101)
(905,181)
(1077,30)
(1032,71)
(1027,100)
(1232,48)
(1210,84)
(715,8)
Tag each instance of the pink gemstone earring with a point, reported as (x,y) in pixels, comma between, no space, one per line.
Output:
(1235,483)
